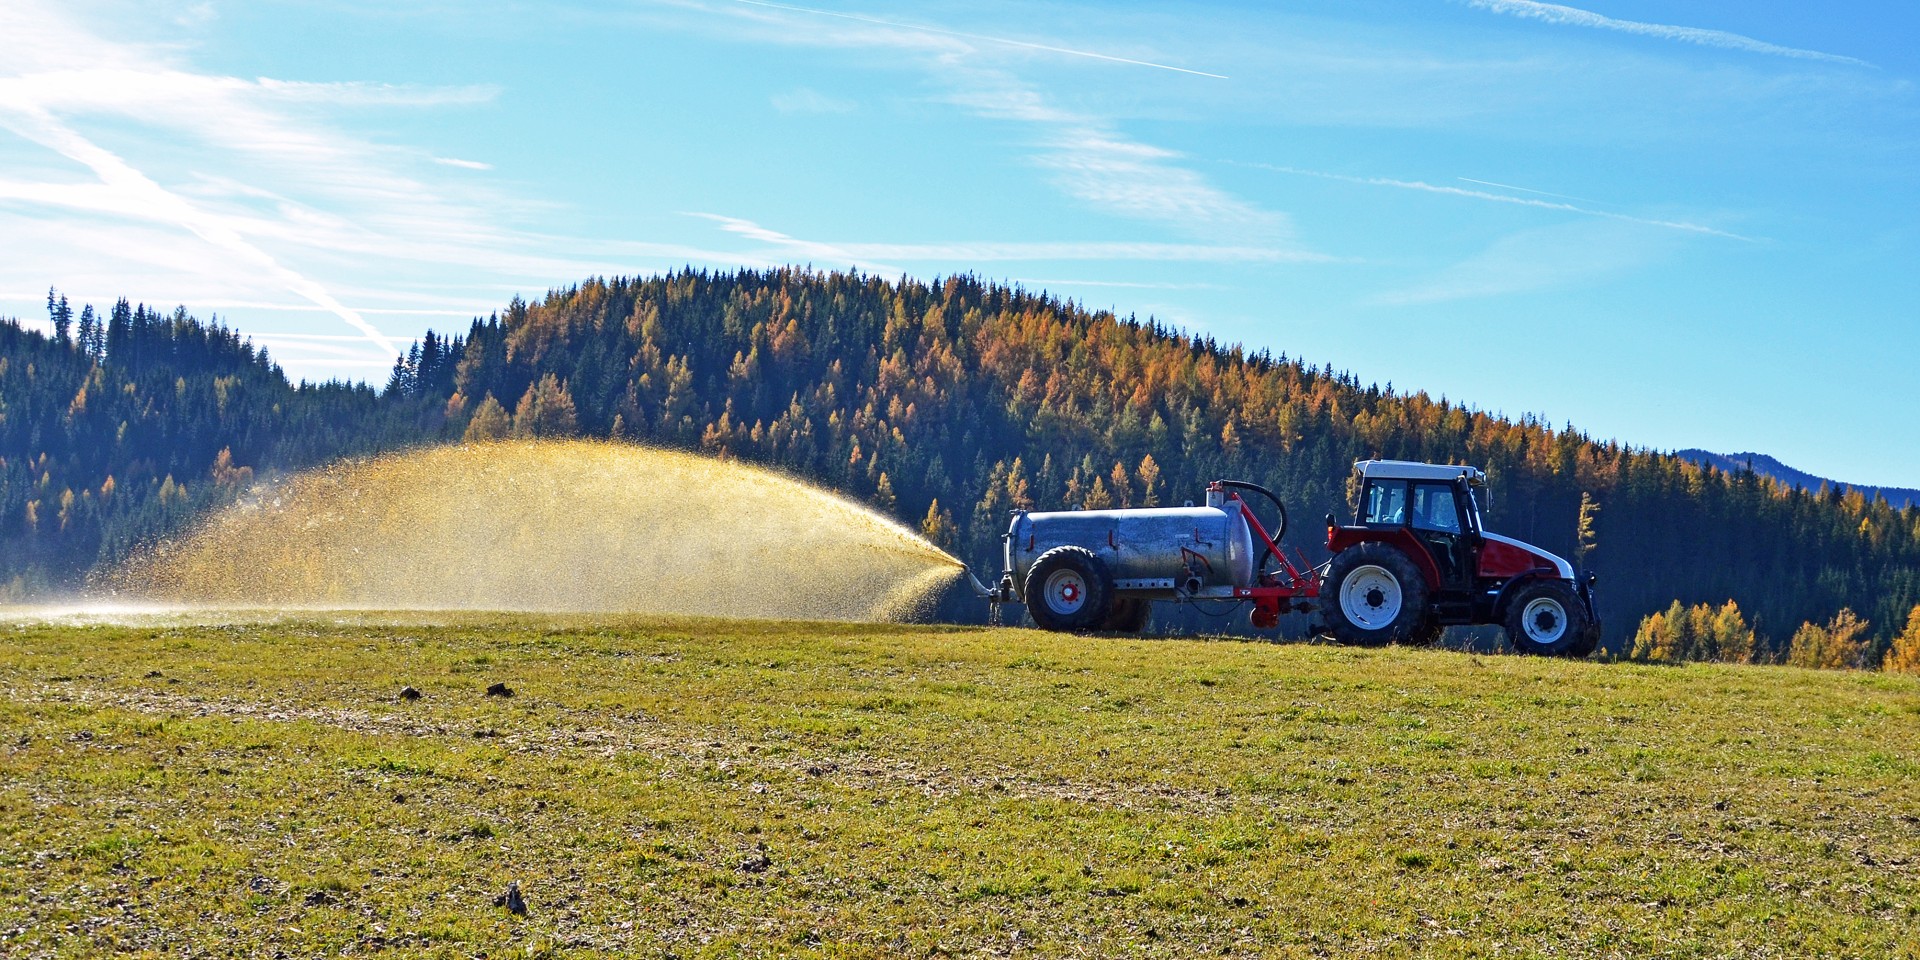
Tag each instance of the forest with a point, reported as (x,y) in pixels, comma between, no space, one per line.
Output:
(946,404)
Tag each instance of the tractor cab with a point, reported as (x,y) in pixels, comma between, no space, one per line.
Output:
(1434,504)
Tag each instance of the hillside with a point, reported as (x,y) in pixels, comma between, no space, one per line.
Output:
(946,405)
(965,399)
(130,426)
(1899,498)
(713,788)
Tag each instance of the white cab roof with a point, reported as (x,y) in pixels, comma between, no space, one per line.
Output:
(1409,470)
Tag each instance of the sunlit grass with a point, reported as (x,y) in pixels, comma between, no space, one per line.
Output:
(704,787)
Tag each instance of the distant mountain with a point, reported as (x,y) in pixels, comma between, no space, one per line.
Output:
(1898,497)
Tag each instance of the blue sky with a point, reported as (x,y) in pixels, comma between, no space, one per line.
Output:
(1676,224)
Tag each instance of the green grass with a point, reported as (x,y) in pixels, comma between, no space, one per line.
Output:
(712,788)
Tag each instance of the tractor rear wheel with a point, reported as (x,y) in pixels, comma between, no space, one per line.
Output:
(1129,615)
(1373,596)
(1546,618)
(1069,589)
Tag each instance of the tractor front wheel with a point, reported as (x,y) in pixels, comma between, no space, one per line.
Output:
(1068,589)
(1374,595)
(1546,618)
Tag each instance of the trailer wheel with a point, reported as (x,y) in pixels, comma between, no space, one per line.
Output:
(1374,596)
(1129,615)
(1546,618)
(1069,589)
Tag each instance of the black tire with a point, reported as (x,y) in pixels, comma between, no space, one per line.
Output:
(1129,615)
(1363,585)
(1069,589)
(1546,618)
(1589,642)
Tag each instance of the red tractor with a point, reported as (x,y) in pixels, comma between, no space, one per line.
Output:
(1415,560)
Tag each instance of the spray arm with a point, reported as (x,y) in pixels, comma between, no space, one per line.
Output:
(980,589)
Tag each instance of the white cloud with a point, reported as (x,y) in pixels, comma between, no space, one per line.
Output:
(462,164)
(1571,16)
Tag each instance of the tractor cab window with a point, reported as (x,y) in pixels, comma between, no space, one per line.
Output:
(1434,508)
(1386,502)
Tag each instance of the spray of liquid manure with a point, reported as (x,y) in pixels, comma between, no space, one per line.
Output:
(552,527)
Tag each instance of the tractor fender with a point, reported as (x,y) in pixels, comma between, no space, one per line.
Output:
(1402,539)
(1537,573)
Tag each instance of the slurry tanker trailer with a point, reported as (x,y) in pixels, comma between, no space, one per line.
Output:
(1415,560)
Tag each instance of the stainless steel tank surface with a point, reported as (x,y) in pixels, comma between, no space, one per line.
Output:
(1155,551)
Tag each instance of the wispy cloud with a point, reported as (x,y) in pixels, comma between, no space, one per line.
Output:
(129,192)
(1572,16)
(1532,261)
(1003,41)
(1083,154)
(226,190)
(1425,187)
(883,257)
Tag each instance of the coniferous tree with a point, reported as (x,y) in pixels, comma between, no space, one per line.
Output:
(1904,655)
(1838,644)
(1149,474)
(546,410)
(937,527)
(61,315)
(490,422)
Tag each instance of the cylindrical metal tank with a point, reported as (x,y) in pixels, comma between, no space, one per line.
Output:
(1156,551)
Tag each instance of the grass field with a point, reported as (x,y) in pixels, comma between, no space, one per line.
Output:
(701,788)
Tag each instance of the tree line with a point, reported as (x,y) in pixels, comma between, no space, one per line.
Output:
(949,403)
(126,423)
(1703,633)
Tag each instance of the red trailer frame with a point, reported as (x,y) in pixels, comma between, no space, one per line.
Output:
(1281,591)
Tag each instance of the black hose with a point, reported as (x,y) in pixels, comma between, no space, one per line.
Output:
(1233,607)
(1277,534)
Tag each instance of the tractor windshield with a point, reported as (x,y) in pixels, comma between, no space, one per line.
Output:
(1386,502)
(1434,508)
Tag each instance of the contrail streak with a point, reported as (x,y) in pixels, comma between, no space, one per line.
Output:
(1509,186)
(1501,198)
(982,37)
(1573,16)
